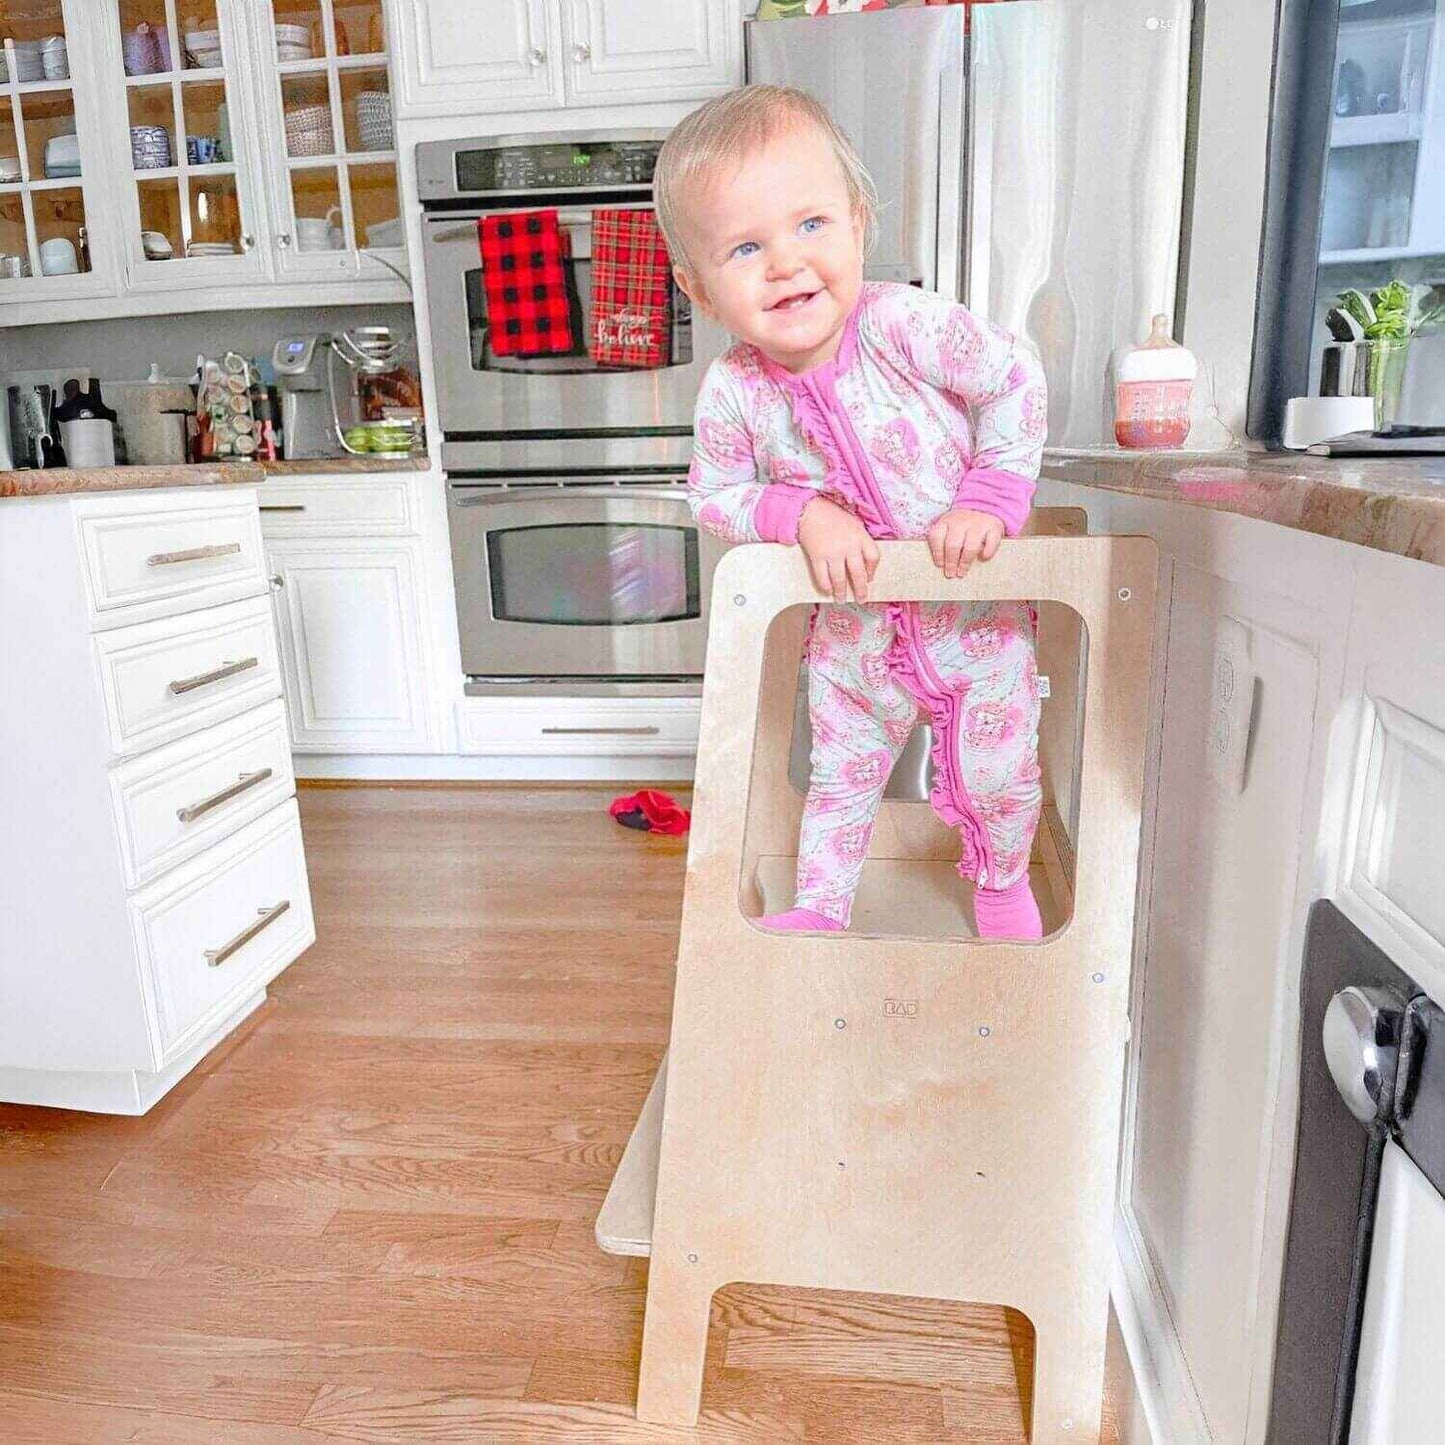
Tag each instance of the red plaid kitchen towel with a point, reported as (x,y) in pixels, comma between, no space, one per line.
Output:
(522,254)
(630,277)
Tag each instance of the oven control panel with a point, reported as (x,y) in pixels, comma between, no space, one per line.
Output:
(556,166)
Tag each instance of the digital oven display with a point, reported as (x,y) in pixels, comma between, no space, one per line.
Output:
(556,166)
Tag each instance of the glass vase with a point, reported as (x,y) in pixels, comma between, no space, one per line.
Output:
(1388,358)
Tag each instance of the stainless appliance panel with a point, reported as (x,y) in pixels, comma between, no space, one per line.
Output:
(1076,176)
(912,145)
(509,398)
(651,526)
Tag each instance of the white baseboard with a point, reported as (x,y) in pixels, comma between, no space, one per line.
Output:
(1165,1395)
(452,767)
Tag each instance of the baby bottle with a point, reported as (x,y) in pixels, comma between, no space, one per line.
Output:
(1153,383)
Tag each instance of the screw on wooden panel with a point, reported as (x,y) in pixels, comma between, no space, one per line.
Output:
(984,1031)
(841,1164)
(978,1174)
(1124,594)
(840,1023)
(1097,977)
(692,1259)
(739,599)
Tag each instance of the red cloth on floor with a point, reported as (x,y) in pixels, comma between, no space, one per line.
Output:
(631,279)
(660,811)
(526,283)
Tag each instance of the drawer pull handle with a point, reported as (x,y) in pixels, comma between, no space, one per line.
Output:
(646,732)
(246,781)
(226,669)
(283,506)
(264,917)
(193,554)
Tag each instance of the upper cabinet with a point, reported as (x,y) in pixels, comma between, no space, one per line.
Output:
(192,211)
(329,128)
(456,56)
(51,163)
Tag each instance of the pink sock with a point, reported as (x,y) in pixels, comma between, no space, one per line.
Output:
(1010,912)
(800,920)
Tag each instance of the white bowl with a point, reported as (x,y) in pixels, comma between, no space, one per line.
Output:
(286,53)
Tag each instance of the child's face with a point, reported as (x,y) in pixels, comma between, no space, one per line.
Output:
(776,251)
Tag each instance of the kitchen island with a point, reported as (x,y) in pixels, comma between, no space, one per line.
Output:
(1297,753)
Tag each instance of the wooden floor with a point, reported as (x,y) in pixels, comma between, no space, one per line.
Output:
(368,1216)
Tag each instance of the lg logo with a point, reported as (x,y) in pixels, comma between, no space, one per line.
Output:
(900,1008)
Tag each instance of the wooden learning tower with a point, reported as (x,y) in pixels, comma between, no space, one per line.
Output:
(900,1109)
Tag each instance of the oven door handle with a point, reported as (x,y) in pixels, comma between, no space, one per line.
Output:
(491,497)
(572,220)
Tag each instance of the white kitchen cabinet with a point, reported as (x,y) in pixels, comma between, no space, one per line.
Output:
(348,614)
(619,50)
(152,873)
(459,58)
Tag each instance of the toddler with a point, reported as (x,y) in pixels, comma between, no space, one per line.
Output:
(849,411)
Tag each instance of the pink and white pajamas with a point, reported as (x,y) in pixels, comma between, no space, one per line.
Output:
(926,408)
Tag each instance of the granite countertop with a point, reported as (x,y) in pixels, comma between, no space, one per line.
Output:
(1393,505)
(60,480)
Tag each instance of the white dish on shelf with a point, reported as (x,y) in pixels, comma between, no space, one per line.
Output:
(292,34)
(9,169)
(390,233)
(288,53)
(155,246)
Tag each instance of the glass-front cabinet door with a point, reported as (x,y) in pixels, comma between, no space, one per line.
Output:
(334,188)
(193,206)
(50,166)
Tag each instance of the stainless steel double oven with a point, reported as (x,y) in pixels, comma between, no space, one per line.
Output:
(577,560)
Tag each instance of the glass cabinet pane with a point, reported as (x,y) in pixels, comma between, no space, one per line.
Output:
(336,117)
(42,206)
(181,105)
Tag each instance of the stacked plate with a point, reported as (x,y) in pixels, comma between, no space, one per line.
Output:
(373,120)
(211,248)
(308,131)
(29,60)
(293,42)
(203,49)
(150,147)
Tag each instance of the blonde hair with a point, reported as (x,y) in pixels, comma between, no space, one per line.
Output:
(736,126)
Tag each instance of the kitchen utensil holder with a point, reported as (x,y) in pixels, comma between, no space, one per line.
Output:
(907,1116)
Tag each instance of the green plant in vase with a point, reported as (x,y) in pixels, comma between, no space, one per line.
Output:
(1388,319)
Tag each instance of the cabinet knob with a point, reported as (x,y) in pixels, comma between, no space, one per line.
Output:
(581,52)
(536,56)
(277,581)
(1362,1048)
(283,239)
(247,242)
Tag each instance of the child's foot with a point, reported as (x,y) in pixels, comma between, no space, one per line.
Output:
(800,920)
(1010,912)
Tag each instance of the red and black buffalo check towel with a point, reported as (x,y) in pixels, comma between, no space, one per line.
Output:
(522,254)
(630,278)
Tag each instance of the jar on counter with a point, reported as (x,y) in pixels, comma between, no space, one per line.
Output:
(1153,386)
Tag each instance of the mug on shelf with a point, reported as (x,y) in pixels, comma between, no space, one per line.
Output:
(58,258)
(319,233)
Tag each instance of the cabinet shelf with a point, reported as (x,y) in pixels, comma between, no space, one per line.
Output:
(213,76)
(34,87)
(169,173)
(1378,253)
(319,64)
(1376,130)
(351,158)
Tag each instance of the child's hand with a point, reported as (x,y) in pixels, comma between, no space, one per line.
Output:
(839,550)
(959,539)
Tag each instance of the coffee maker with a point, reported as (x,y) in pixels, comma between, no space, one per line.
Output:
(308,418)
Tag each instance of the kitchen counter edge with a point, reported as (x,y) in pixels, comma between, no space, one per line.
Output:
(1392,504)
(61,480)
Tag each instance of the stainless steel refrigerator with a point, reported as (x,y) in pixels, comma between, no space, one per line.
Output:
(1033,167)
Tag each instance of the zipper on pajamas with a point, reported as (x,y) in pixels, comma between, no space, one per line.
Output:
(922,679)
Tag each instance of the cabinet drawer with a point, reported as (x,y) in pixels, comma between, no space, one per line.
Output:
(162,680)
(174,802)
(222,925)
(360,506)
(145,560)
(589,727)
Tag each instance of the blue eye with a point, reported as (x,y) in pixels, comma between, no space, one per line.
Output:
(814,224)
(745,248)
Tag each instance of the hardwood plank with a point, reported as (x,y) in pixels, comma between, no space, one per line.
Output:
(368,1215)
